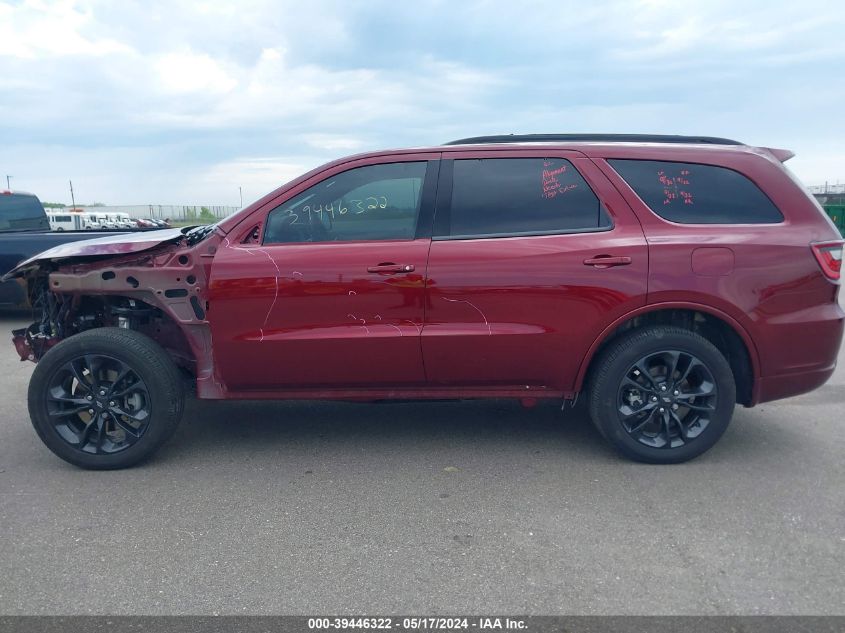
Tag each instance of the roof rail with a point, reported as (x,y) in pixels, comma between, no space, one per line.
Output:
(602,138)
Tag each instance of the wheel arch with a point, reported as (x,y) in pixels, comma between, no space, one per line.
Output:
(725,332)
(142,310)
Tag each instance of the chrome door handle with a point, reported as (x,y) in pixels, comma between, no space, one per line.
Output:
(391,268)
(606,261)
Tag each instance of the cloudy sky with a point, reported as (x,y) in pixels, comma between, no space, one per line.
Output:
(178,102)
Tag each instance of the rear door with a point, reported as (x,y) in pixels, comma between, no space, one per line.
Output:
(534,253)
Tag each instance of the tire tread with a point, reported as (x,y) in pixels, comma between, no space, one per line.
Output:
(601,386)
(166,391)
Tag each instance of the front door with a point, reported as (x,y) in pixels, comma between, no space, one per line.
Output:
(527,266)
(333,295)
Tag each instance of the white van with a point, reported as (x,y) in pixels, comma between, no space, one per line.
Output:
(94,222)
(123,221)
(66,221)
(103,221)
(89,221)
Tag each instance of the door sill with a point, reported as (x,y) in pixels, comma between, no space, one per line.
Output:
(399,393)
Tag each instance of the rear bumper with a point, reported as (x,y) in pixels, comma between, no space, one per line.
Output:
(802,349)
(776,387)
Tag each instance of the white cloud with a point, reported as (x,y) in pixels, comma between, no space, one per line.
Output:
(332,142)
(39,30)
(187,72)
(161,100)
(256,176)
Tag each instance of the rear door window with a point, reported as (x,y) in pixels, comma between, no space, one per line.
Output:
(501,197)
(690,193)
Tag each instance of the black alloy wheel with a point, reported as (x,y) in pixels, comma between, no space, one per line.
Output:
(106,398)
(98,404)
(666,399)
(661,394)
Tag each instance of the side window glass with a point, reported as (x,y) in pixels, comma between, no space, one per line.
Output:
(690,193)
(376,202)
(511,196)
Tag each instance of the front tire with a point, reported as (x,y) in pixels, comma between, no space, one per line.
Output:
(106,398)
(662,394)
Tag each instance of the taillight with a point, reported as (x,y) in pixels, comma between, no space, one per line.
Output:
(829,256)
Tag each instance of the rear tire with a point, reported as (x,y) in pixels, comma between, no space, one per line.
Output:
(662,394)
(106,398)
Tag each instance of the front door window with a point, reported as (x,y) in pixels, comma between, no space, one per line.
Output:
(376,202)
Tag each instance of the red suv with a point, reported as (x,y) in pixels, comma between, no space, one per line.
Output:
(665,278)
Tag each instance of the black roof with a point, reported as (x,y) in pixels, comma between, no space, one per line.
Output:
(601,138)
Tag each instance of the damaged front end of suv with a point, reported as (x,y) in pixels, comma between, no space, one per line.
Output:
(154,283)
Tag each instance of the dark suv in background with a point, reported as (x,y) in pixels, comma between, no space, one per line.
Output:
(665,278)
(25,231)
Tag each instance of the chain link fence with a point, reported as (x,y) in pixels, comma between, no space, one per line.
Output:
(210,213)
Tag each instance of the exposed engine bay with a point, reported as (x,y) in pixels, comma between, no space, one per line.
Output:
(159,291)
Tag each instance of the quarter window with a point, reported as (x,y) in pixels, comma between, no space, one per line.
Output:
(690,193)
(521,196)
(376,202)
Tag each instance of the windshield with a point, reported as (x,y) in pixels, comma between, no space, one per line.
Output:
(22,212)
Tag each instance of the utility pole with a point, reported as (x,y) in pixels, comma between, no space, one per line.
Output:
(8,186)
(72,201)
(241,192)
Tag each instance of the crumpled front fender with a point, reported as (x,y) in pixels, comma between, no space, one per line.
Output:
(111,245)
